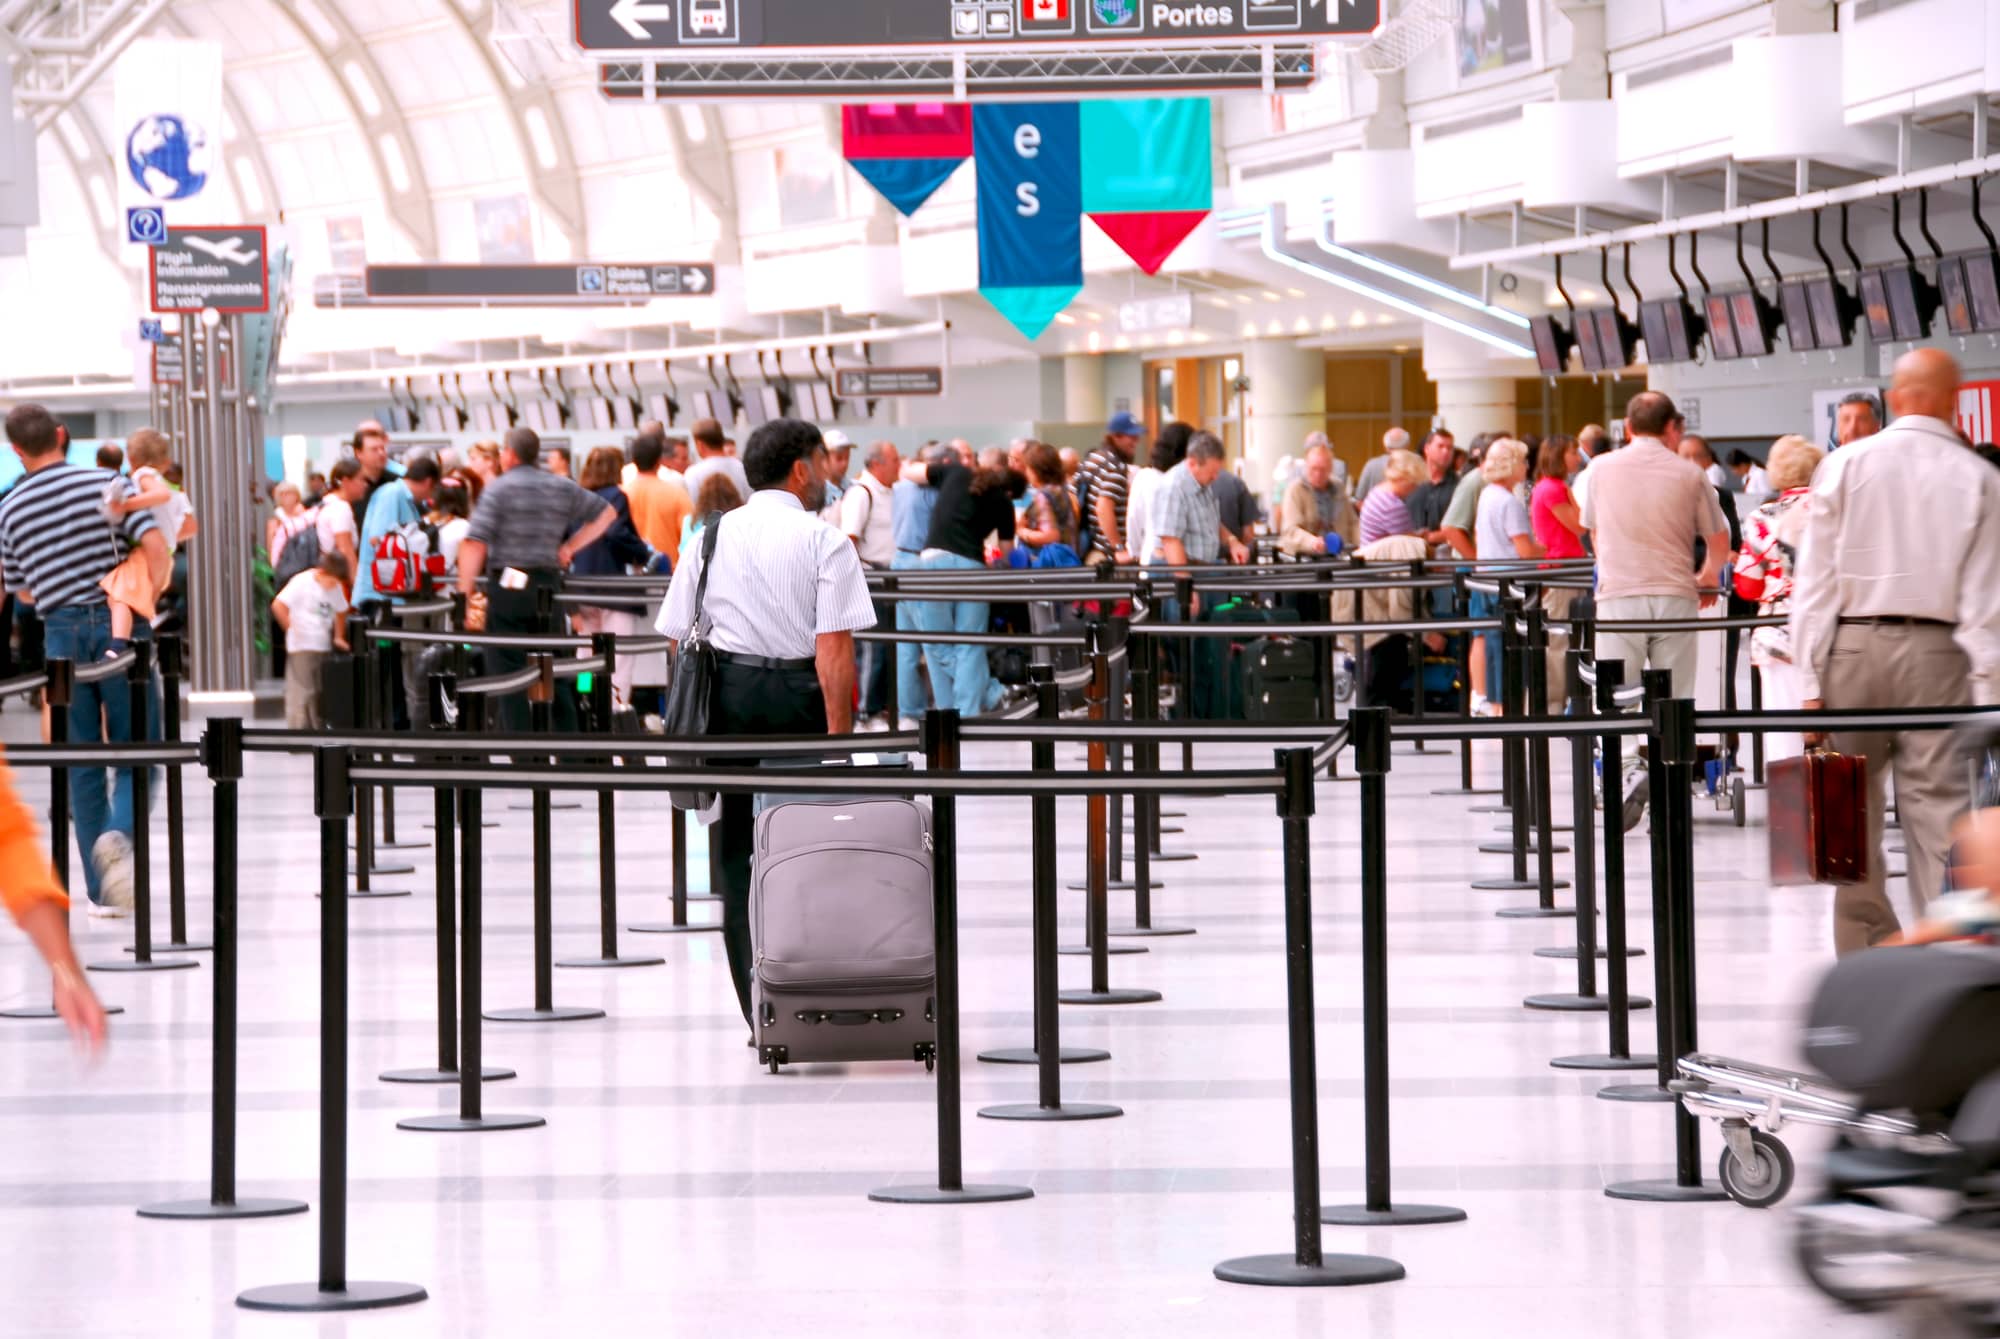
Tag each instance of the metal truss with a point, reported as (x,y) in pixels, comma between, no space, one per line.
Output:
(63,46)
(960,73)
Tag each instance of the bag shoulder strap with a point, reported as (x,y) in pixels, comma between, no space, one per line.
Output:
(711,530)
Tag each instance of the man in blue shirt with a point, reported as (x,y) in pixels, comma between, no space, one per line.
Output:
(397,503)
(913,504)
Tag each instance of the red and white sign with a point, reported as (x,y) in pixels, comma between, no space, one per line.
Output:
(1978,402)
(1044,11)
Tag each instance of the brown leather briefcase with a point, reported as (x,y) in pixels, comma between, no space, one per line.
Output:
(1819,818)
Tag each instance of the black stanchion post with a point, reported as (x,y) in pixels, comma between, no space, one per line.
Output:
(361,714)
(1531,655)
(678,886)
(1145,823)
(222,755)
(1462,605)
(1370,745)
(1096,910)
(1673,814)
(941,750)
(169,650)
(333,1291)
(604,645)
(1610,676)
(1118,633)
(138,687)
(442,689)
(1048,1053)
(1515,781)
(1756,736)
(472,1067)
(1184,692)
(1659,689)
(541,713)
(1307,1266)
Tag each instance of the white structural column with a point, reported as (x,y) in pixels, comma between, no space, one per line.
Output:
(1287,400)
(1471,405)
(1084,400)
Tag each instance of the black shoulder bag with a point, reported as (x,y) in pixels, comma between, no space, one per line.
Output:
(691,681)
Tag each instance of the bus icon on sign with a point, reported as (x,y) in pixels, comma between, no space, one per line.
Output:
(708,16)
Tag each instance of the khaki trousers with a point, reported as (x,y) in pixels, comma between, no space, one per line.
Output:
(1557,601)
(1879,666)
(1676,652)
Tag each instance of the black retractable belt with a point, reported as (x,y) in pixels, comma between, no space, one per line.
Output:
(222,754)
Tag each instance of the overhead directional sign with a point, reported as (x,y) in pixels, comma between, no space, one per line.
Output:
(804,25)
(169,369)
(223,268)
(869,383)
(589,283)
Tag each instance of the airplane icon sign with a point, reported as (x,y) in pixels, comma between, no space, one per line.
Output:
(229,249)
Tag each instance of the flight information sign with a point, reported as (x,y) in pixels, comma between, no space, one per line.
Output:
(725,26)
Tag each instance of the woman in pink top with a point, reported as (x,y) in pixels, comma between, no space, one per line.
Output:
(1558,526)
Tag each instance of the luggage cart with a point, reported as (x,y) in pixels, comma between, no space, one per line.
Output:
(1753,1102)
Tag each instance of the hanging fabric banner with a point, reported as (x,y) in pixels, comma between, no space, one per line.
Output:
(1029,163)
(1147,173)
(906,151)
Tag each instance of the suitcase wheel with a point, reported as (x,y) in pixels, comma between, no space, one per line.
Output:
(773,1056)
(927,1052)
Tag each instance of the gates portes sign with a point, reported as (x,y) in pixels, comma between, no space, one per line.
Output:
(723,26)
(226,269)
(872,383)
(584,283)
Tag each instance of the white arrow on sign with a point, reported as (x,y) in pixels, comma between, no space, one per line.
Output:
(632,16)
(696,280)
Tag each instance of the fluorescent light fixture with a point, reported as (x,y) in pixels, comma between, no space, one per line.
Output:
(1411,277)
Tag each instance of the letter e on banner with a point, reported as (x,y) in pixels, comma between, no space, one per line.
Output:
(1030,163)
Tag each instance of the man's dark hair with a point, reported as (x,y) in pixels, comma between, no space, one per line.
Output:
(110,457)
(422,469)
(562,451)
(525,443)
(775,447)
(647,448)
(363,434)
(1433,435)
(1204,446)
(1863,397)
(343,469)
(334,563)
(1739,458)
(708,434)
(33,429)
(1649,413)
(1170,448)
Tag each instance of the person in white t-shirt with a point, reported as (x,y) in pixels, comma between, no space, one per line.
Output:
(312,609)
(338,530)
(867,516)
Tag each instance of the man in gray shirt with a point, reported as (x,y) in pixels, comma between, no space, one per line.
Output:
(528,525)
(713,448)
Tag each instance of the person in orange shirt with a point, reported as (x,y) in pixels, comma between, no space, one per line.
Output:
(659,504)
(36,901)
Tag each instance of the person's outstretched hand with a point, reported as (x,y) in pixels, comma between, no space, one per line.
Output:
(78,1006)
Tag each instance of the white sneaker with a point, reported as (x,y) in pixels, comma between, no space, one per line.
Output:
(97,911)
(112,856)
(1637,789)
(908,724)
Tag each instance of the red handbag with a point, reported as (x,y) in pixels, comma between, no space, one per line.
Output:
(1819,818)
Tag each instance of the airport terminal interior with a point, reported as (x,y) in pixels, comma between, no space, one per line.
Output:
(1135,667)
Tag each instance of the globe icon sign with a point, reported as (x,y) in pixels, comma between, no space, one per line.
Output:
(168,157)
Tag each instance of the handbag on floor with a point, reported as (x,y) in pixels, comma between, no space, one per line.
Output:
(1819,818)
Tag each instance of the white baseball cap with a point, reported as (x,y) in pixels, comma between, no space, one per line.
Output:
(835,439)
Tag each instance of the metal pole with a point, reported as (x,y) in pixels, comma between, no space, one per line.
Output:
(604,645)
(138,685)
(170,731)
(1658,685)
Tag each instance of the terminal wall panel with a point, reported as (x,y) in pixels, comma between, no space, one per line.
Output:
(1917,55)
(1674,122)
(1569,156)
(1468,169)
(940,262)
(1374,200)
(1789,108)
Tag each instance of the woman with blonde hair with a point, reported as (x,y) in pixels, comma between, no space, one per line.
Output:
(1503,530)
(1385,511)
(483,459)
(1764,573)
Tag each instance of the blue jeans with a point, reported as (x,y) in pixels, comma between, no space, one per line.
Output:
(910,699)
(1483,606)
(98,712)
(960,674)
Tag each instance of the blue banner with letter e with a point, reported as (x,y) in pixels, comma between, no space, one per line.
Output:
(1030,166)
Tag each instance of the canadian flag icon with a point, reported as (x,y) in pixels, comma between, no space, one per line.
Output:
(1044,11)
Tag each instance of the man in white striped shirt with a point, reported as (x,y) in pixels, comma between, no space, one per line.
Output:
(784,598)
(56,545)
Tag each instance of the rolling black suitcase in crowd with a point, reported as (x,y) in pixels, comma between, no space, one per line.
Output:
(1279,680)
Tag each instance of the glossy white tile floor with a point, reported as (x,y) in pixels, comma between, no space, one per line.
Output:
(677,1186)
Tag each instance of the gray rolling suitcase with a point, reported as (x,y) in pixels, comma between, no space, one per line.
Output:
(840,914)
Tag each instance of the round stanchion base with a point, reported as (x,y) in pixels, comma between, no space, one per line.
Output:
(1491,808)
(1507,848)
(1111,950)
(669,928)
(381,845)
(1534,913)
(1666,1190)
(1512,885)
(1165,857)
(453,1123)
(528,807)
(370,894)
(1169,830)
(1553,827)
(489,823)
(1396,1215)
(1067,1111)
(245,1208)
(1149,931)
(1114,996)
(1026,1055)
(559,1014)
(1604,1063)
(311,1297)
(1465,791)
(939,1195)
(389,871)
(487,1074)
(1636,1092)
(1172,813)
(621,961)
(1116,886)
(1582,1004)
(1285,1271)
(175,948)
(41,1011)
(1567,952)
(154,965)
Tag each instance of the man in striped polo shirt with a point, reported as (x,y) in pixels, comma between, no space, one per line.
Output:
(56,545)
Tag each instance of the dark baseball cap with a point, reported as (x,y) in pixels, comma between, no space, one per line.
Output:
(1124,423)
